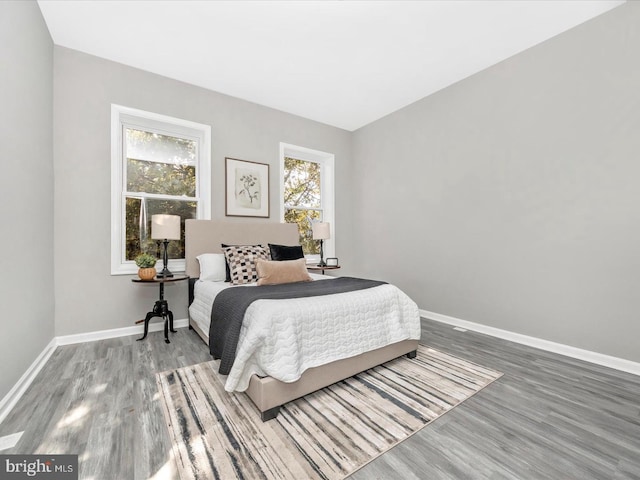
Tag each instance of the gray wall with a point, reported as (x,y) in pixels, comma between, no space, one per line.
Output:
(88,298)
(511,198)
(26,189)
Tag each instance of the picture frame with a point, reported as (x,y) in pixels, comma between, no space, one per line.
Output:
(246,188)
(332,261)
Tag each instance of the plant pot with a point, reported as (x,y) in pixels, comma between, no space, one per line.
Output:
(147,273)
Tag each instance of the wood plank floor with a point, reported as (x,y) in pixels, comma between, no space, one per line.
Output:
(549,416)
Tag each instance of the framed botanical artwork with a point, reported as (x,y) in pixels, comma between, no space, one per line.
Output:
(247,188)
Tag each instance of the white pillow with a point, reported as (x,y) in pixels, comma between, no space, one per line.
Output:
(213,267)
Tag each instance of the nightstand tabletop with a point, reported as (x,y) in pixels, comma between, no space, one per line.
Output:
(315,268)
(175,278)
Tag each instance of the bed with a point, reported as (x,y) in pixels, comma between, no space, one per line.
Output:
(266,392)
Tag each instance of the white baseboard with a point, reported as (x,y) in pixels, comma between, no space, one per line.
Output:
(11,398)
(117,332)
(567,350)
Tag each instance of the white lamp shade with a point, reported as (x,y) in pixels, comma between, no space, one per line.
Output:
(321,231)
(165,227)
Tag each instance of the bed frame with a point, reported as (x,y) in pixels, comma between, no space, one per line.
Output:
(268,394)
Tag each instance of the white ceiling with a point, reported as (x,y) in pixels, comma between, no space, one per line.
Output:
(343,63)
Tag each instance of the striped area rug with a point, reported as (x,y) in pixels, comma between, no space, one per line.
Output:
(328,434)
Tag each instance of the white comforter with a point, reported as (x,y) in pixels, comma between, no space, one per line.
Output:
(283,338)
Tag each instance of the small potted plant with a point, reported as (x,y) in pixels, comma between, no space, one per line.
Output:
(147,266)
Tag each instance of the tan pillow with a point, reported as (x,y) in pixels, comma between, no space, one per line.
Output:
(285,271)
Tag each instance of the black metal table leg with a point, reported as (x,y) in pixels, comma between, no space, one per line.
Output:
(171,329)
(149,316)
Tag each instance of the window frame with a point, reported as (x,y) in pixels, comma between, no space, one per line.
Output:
(125,117)
(327,189)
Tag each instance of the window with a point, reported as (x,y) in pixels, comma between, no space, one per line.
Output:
(307,194)
(159,164)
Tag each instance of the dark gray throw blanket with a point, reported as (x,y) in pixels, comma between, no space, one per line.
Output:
(230,304)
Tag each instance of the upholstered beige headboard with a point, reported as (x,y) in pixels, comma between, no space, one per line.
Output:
(205,236)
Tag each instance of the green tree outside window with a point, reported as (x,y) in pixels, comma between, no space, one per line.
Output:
(302,199)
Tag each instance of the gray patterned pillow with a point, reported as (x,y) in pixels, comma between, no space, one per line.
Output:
(242,262)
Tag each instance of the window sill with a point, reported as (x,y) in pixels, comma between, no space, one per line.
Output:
(130,268)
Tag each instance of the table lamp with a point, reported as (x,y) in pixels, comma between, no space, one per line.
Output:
(322,232)
(165,228)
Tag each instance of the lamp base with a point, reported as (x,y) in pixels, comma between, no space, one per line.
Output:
(165,273)
(322,262)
